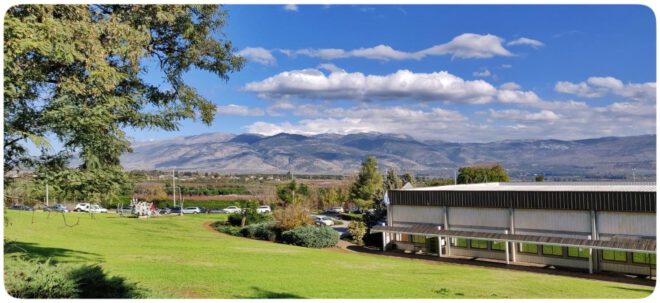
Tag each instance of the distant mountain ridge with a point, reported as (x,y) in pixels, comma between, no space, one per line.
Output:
(342,154)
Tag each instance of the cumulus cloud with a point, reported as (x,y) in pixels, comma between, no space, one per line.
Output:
(291,7)
(403,84)
(239,110)
(595,87)
(526,41)
(464,46)
(259,55)
(510,86)
(520,115)
(517,96)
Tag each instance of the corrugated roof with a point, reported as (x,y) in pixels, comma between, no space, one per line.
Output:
(547,186)
(636,245)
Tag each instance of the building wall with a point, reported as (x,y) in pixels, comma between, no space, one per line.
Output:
(622,223)
(478,253)
(476,218)
(558,261)
(418,214)
(543,220)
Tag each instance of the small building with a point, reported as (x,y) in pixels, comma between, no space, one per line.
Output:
(590,226)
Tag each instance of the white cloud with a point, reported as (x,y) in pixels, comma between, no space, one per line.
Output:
(467,45)
(403,84)
(470,46)
(510,86)
(258,54)
(520,115)
(291,7)
(482,73)
(517,96)
(526,41)
(239,110)
(600,86)
(331,68)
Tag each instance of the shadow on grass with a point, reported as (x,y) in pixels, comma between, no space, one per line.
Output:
(262,293)
(34,251)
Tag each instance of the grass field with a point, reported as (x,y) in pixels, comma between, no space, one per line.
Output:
(179,257)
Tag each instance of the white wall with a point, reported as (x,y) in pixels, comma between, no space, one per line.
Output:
(497,218)
(418,214)
(626,223)
(555,220)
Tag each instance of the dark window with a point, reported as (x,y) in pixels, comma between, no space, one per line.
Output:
(479,244)
(498,245)
(529,248)
(643,258)
(552,250)
(576,252)
(615,255)
(460,242)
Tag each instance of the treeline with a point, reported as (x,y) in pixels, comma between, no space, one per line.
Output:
(207,190)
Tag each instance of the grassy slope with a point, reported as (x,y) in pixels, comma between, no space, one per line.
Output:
(178,257)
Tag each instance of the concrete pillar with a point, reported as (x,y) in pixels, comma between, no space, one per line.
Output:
(447,239)
(384,240)
(593,257)
(439,246)
(506,248)
(512,227)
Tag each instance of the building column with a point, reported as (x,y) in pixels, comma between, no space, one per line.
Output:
(439,246)
(506,248)
(512,227)
(448,244)
(447,239)
(384,240)
(593,258)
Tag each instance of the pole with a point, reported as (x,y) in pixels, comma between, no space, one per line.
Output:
(455,177)
(46,194)
(180,200)
(173,189)
(506,247)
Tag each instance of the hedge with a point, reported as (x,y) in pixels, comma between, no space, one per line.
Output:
(311,236)
(351,217)
(262,231)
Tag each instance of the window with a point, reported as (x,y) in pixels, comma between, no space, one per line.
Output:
(479,244)
(614,255)
(418,239)
(576,252)
(552,250)
(495,245)
(405,237)
(529,248)
(460,242)
(642,258)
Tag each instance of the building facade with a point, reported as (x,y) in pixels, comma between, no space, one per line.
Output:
(589,226)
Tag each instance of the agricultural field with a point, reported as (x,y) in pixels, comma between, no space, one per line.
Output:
(181,257)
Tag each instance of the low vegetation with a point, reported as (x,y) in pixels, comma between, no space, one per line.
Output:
(311,236)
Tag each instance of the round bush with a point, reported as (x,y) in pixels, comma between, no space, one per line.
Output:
(263,231)
(311,236)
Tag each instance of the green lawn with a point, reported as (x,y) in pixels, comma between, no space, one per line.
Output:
(178,257)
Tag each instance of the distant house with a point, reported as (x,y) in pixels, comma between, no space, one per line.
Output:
(589,226)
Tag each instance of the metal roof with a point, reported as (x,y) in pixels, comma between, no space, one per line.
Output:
(621,197)
(547,186)
(634,245)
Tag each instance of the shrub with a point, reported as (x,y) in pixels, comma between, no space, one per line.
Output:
(311,236)
(226,228)
(351,217)
(357,229)
(291,216)
(263,231)
(33,279)
(251,217)
(38,280)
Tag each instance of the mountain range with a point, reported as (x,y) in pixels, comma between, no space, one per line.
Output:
(608,157)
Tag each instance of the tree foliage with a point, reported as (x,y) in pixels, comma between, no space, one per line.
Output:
(408,178)
(291,216)
(478,174)
(392,180)
(357,229)
(77,72)
(368,188)
(293,193)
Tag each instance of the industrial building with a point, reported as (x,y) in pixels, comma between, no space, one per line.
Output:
(589,226)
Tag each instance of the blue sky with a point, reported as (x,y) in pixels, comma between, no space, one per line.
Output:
(454,73)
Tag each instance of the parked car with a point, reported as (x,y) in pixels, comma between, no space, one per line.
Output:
(323,220)
(21,207)
(57,207)
(335,210)
(263,209)
(82,207)
(203,210)
(216,211)
(232,210)
(164,211)
(192,210)
(175,210)
(95,208)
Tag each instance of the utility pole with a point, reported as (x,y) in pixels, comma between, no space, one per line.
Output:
(455,177)
(633,174)
(173,189)
(46,194)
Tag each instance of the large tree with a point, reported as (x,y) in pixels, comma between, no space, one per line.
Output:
(392,180)
(482,173)
(368,188)
(78,72)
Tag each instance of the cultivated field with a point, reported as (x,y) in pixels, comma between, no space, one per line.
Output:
(179,257)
